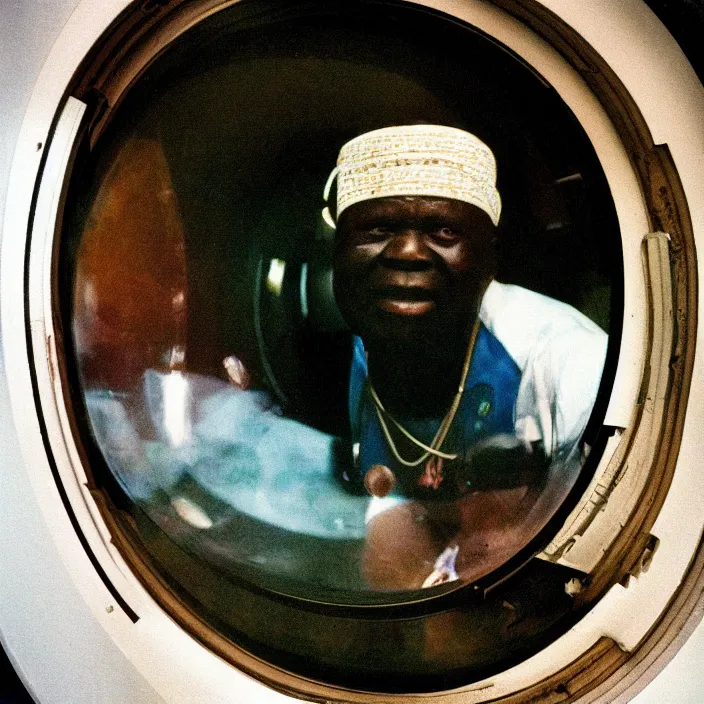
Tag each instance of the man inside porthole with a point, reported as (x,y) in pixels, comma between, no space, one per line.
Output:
(468,398)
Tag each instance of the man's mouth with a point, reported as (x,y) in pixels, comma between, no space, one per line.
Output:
(404,300)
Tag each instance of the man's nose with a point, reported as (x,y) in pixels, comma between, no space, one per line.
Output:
(408,250)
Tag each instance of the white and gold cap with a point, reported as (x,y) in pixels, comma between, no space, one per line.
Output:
(416,160)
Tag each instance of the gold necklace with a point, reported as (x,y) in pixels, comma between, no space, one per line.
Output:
(443,430)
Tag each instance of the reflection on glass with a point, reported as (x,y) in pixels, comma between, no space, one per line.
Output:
(234,446)
(467,398)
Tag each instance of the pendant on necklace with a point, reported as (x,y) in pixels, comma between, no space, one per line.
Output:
(379,480)
(431,478)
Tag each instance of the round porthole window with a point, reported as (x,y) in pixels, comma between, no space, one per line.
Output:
(225,335)
(367,331)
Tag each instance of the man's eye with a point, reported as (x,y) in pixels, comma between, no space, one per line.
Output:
(378,232)
(446,233)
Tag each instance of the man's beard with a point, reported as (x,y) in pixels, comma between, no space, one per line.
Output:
(428,336)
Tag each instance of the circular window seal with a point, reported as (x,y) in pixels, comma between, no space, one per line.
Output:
(667,209)
(512,565)
(523,576)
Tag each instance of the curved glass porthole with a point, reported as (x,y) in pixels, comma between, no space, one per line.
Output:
(223,343)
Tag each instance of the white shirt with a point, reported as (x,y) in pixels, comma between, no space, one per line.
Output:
(560,353)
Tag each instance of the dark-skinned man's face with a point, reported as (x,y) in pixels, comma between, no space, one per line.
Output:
(410,266)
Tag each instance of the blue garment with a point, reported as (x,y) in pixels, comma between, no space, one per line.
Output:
(486,409)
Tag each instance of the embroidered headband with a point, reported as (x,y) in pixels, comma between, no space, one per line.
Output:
(416,160)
